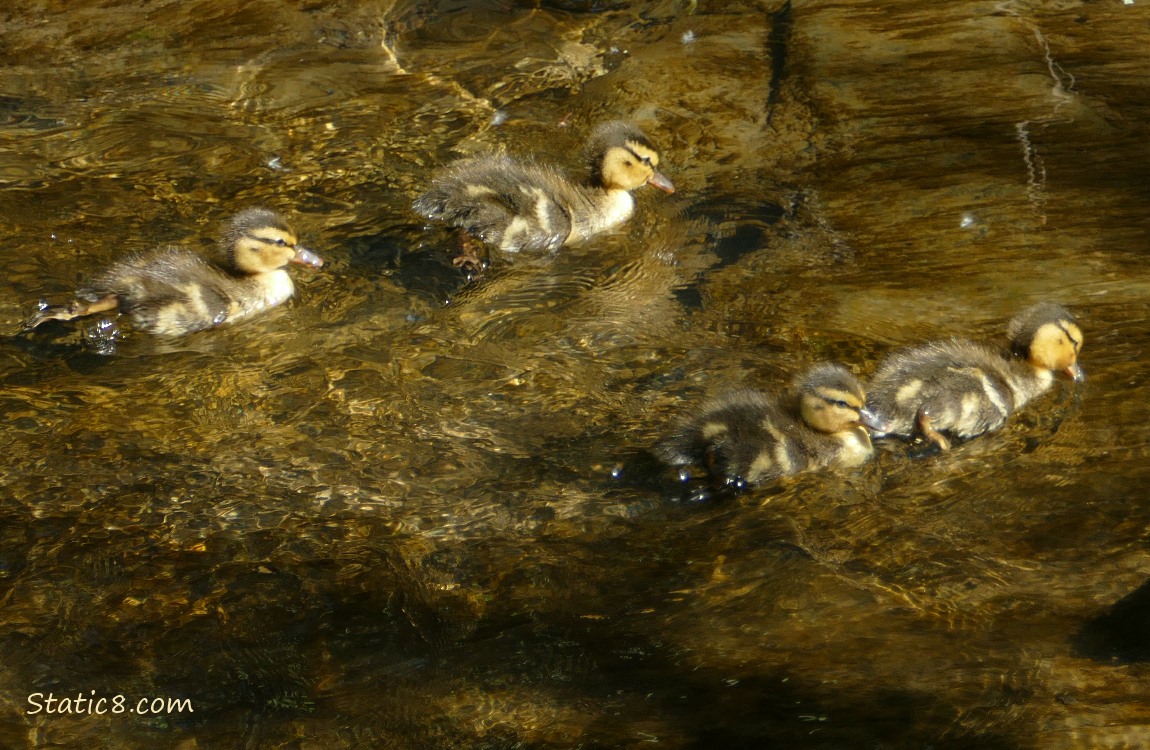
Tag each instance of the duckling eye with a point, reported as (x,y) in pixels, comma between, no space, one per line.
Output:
(281,242)
(841,404)
(1073,341)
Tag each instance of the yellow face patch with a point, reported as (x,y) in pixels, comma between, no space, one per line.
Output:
(1073,333)
(628,167)
(831,410)
(644,154)
(264,249)
(835,397)
(1056,345)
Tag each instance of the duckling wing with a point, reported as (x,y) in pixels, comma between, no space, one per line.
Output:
(742,436)
(511,204)
(169,292)
(964,387)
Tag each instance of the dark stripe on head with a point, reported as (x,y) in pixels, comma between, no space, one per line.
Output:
(832,376)
(640,159)
(267,240)
(612,134)
(1062,327)
(1024,326)
(247,221)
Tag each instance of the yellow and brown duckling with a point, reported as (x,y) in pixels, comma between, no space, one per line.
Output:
(746,437)
(173,291)
(516,204)
(964,389)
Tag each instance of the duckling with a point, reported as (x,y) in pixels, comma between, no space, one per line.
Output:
(173,291)
(514,204)
(745,437)
(965,389)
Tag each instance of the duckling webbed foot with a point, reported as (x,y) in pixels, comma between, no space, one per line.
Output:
(469,258)
(926,429)
(70,311)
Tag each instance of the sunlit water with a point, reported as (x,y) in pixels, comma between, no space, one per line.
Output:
(391,514)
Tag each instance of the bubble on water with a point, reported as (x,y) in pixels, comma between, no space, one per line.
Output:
(102,336)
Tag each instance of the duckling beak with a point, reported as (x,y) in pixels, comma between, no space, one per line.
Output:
(1075,373)
(870,420)
(306,257)
(659,180)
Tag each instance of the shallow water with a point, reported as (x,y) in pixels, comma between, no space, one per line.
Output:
(385,516)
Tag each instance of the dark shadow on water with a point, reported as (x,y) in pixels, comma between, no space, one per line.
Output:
(261,631)
(751,233)
(423,267)
(640,470)
(778,44)
(1120,634)
(738,230)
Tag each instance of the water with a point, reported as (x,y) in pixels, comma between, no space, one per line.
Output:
(384,516)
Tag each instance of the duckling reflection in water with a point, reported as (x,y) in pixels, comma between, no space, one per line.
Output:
(516,204)
(173,291)
(745,437)
(965,389)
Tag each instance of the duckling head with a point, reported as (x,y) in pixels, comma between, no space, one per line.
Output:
(259,241)
(622,158)
(1048,337)
(831,399)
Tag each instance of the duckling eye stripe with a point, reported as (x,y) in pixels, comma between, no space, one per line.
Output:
(1074,341)
(265,240)
(645,159)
